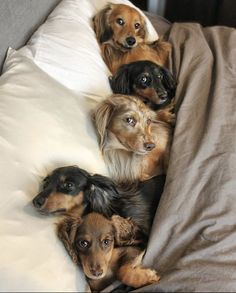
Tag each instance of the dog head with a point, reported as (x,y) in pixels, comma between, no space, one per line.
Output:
(62,190)
(69,187)
(153,83)
(121,25)
(125,122)
(90,240)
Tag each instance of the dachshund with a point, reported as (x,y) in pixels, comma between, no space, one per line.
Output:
(154,84)
(73,190)
(134,140)
(121,33)
(91,242)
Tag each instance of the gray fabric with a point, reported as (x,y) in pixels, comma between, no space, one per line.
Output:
(193,240)
(19,19)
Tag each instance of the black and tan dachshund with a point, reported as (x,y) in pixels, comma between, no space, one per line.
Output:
(154,84)
(71,188)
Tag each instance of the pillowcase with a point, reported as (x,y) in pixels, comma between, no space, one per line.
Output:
(43,125)
(65,47)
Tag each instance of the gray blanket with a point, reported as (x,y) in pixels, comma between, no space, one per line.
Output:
(193,239)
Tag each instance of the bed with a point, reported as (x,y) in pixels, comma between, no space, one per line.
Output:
(47,90)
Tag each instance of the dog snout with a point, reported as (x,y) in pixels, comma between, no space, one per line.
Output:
(38,201)
(96,271)
(130,41)
(149,146)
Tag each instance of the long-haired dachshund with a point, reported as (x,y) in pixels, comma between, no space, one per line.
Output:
(91,242)
(134,140)
(154,84)
(73,190)
(121,33)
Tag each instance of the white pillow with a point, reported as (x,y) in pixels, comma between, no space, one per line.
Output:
(66,48)
(43,125)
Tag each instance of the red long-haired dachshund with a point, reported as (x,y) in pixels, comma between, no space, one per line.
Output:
(90,241)
(121,32)
(134,140)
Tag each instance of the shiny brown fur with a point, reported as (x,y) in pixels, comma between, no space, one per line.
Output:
(113,37)
(91,240)
(133,152)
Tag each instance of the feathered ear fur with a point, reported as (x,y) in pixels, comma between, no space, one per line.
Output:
(120,82)
(101,195)
(169,82)
(126,231)
(66,231)
(101,26)
(102,116)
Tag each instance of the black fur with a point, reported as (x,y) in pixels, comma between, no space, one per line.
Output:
(128,80)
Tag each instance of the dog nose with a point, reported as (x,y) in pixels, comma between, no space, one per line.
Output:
(96,272)
(38,201)
(163,95)
(130,41)
(149,146)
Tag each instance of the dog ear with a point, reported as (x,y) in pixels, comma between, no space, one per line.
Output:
(101,117)
(101,26)
(126,231)
(120,82)
(66,231)
(169,82)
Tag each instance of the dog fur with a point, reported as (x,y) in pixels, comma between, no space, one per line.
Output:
(134,140)
(71,189)
(121,33)
(154,84)
(91,242)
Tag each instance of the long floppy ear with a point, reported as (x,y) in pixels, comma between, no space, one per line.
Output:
(102,29)
(169,82)
(120,82)
(66,231)
(126,231)
(101,118)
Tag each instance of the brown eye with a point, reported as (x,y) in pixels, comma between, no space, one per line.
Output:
(137,25)
(120,21)
(83,243)
(106,242)
(131,121)
(149,121)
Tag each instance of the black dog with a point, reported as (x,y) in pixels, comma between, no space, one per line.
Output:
(153,83)
(72,188)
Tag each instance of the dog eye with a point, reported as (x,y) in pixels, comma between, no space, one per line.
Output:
(120,21)
(137,25)
(149,121)
(106,242)
(83,243)
(159,76)
(68,185)
(131,121)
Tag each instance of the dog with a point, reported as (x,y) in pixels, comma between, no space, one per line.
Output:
(121,33)
(134,140)
(154,84)
(91,242)
(72,190)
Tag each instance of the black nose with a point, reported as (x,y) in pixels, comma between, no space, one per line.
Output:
(130,41)
(38,201)
(149,146)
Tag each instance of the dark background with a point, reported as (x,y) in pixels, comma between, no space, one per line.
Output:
(206,12)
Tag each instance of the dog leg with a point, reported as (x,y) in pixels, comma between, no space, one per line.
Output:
(137,276)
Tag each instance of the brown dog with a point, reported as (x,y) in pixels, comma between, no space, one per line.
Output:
(121,33)
(90,241)
(134,140)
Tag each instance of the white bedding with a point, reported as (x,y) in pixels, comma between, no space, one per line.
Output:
(44,123)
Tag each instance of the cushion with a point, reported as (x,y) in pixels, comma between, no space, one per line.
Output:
(43,125)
